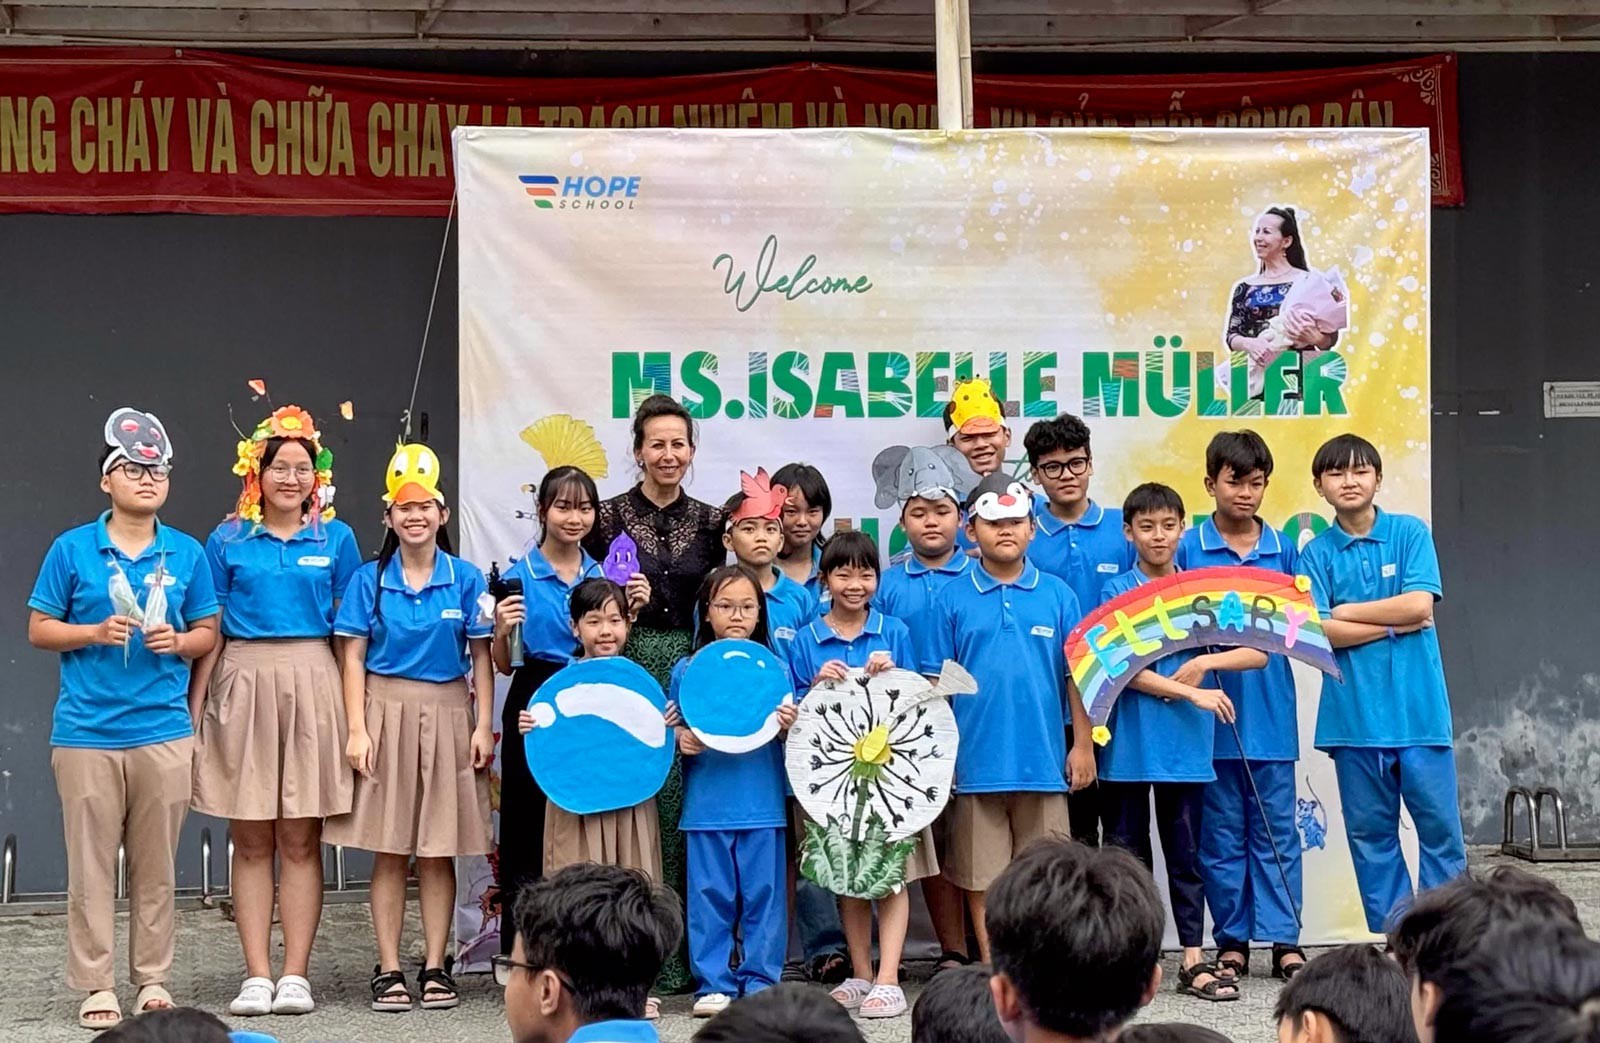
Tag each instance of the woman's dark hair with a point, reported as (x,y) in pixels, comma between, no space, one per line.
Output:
(270,452)
(715,580)
(849,549)
(810,483)
(566,481)
(659,406)
(386,553)
(591,596)
(1295,252)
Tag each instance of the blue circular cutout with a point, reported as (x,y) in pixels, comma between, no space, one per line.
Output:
(601,742)
(730,694)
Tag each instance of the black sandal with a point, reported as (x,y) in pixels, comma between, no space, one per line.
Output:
(1285,971)
(385,1000)
(1211,991)
(436,981)
(1229,959)
(949,960)
(828,968)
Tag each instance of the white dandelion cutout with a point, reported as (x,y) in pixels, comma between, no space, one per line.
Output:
(871,760)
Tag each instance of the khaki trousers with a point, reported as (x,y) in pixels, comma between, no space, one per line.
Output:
(136,797)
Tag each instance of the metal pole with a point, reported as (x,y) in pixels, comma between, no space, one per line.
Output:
(947,53)
(8,873)
(205,866)
(964,50)
(122,871)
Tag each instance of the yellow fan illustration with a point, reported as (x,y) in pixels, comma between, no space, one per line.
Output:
(565,440)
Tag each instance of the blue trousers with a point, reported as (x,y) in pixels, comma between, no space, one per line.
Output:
(1243,888)
(1372,783)
(737,878)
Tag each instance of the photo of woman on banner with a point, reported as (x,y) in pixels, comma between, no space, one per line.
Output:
(1285,306)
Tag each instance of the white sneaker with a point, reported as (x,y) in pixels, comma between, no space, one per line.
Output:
(254,999)
(293,996)
(711,1004)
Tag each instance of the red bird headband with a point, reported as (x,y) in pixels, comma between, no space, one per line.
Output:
(762,499)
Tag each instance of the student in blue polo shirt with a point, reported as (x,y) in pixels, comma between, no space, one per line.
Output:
(270,705)
(931,517)
(853,635)
(1375,577)
(565,506)
(734,822)
(1006,622)
(754,537)
(1076,539)
(809,506)
(121,739)
(1243,887)
(1162,738)
(420,739)
(590,941)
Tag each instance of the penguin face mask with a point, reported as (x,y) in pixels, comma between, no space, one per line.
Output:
(136,437)
(999,497)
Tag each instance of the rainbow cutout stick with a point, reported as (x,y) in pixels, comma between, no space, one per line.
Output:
(1230,607)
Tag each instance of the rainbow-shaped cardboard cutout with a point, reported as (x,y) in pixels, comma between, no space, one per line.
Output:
(1229,607)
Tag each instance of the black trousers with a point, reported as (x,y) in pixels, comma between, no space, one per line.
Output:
(1179,809)
(1084,809)
(522,802)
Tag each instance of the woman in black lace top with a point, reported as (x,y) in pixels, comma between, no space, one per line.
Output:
(679,540)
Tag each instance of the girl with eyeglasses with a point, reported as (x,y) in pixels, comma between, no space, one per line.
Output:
(733,822)
(269,705)
(128,603)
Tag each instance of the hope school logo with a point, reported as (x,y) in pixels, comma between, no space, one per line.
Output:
(582,191)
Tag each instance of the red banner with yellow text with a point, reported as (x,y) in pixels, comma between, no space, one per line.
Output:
(112,130)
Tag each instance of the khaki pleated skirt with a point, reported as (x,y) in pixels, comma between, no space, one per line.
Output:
(630,838)
(272,738)
(423,798)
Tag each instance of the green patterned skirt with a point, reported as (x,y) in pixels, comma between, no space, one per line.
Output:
(658,651)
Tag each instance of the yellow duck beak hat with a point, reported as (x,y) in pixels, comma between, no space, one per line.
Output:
(976,410)
(413,475)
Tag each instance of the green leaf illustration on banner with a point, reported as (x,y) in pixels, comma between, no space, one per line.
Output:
(872,867)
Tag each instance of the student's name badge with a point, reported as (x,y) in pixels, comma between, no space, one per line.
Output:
(168,580)
(1389,571)
(783,633)
(1043,631)
(451,613)
(1108,567)
(315,561)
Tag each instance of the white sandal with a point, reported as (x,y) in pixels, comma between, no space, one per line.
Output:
(101,1002)
(153,993)
(850,992)
(884,1001)
(254,999)
(293,996)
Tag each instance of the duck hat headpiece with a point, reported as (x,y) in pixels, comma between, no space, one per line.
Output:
(413,475)
(974,409)
(998,497)
(288,422)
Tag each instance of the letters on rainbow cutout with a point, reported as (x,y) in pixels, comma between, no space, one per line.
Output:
(1228,607)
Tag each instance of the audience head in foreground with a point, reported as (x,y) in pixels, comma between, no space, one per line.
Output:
(1170,1032)
(1350,995)
(1075,932)
(1448,924)
(1536,981)
(170,1025)
(957,1007)
(787,1013)
(590,942)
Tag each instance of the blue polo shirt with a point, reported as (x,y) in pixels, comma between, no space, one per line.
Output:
(108,701)
(422,634)
(1155,739)
(547,630)
(615,1032)
(1265,698)
(790,607)
(1086,553)
(817,643)
(908,592)
(1393,692)
(272,588)
(1040,503)
(1010,637)
(731,791)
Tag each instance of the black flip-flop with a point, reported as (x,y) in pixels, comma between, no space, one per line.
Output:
(1284,971)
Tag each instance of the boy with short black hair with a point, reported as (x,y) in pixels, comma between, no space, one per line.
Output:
(1529,982)
(1162,738)
(590,942)
(1005,622)
(1446,925)
(1351,995)
(1243,884)
(786,1013)
(1076,539)
(957,1006)
(1076,933)
(1386,723)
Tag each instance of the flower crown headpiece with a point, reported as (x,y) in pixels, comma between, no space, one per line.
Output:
(286,422)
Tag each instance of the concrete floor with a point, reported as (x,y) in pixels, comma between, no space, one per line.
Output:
(35,1006)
